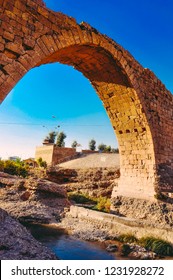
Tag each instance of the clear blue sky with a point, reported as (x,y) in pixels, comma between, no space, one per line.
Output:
(142,27)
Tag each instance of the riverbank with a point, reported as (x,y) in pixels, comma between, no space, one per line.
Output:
(106,228)
(40,201)
(66,246)
(114,224)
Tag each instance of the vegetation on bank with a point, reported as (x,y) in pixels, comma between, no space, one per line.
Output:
(81,198)
(97,203)
(103,204)
(127,238)
(157,245)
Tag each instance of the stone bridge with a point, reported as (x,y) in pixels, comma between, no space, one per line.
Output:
(138,104)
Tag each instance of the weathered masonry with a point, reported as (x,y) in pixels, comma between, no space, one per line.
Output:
(138,104)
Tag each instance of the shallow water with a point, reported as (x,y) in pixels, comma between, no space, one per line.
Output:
(67,247)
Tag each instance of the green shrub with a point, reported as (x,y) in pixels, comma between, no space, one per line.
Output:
(125,250)
(147,242)
(130,238)
(103,204)
(162,248)
(13,168)
(41,162)
(80,198)
(157,245)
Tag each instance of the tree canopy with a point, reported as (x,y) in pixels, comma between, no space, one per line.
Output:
(50,138)
(92,145)
(74,144)
(60,139)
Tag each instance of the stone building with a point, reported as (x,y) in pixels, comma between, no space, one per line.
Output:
(55,155)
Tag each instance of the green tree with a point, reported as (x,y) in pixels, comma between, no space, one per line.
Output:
(107,149)
(51,137)
(115,151)
(60,139)
(92,145)
(74,144)
(101,147)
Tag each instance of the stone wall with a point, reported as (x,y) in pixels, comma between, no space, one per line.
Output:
(45,152)
(54,155)
(61,154)
(139,106)
(86,152)
(120,225)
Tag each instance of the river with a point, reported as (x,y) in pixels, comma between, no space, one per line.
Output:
(67,247)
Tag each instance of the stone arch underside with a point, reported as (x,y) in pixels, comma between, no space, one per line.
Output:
(138,104)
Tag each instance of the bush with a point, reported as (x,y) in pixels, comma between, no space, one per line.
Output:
(115,151)
(162,248)
(147,242)
(80,198)
(157,245)
(41,162)
(125,250)
(13,168)
(103,204)
(130,238)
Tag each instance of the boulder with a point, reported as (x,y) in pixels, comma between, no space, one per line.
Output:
(32,199)
(16,243)
(112,248)
(46,186)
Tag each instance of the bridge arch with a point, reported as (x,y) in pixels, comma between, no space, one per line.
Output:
(137,103)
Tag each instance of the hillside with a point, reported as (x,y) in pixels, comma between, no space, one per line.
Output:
(93,161)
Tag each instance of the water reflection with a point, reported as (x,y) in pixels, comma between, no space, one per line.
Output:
(67,247)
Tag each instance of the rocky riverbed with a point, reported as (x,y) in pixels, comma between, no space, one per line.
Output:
(44,201)
(95,232)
